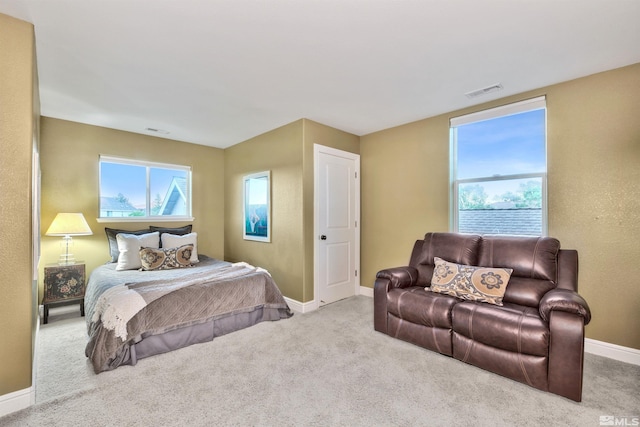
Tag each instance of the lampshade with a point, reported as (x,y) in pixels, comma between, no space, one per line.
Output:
(69,224)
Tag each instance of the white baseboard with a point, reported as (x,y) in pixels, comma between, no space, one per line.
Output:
(612,351)
(306,307)
(16,401)
(367,292)
(301,307)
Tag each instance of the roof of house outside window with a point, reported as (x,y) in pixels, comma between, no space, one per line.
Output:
(501,221)
(115,204)
(175,196)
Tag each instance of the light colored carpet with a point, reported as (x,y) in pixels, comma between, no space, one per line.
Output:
(324,368)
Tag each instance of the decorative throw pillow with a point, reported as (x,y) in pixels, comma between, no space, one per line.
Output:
(113,243)
(174,241)
(179,231)
(482,284)
(165,259)
(129,246)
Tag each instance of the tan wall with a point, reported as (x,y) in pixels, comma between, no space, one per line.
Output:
(288,153)
(316,133)
(70,183)
(594,194)
(17,124)
(278,151)
(405,173)
(593,191)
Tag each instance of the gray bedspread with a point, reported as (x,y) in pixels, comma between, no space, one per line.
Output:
(123,307)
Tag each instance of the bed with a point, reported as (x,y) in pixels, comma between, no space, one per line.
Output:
(133,314)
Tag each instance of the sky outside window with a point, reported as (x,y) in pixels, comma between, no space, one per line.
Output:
(508,145)
(130,181)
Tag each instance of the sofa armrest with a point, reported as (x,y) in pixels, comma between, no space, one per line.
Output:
(566,354)
(564,300)
(399,277)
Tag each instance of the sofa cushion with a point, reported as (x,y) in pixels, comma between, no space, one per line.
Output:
(454,247)
(514,328)
(534,261)
(528,292)
(418,306)
(480,284)
(530,257)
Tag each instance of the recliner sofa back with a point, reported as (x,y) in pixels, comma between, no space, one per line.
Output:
(534,261)
(458,248)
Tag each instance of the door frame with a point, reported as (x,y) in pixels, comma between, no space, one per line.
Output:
(317,150)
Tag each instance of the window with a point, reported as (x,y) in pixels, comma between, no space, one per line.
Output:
(499,170)
(134,189)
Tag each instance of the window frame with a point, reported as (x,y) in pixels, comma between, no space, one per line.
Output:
(488,114)
(148,165)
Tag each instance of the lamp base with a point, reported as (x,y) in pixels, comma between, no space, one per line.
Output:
(66,257)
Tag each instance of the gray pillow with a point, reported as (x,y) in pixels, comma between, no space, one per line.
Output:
(178,231)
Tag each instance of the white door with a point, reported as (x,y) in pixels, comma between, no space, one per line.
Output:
(337,248)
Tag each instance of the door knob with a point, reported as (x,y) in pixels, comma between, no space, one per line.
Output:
(323,237)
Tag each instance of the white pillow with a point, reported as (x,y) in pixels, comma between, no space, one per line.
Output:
(129,246)
(174,241)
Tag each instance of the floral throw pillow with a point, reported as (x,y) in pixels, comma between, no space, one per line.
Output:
(169,240)
(165,259)
(482,284)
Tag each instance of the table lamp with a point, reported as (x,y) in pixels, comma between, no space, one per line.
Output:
(67,225)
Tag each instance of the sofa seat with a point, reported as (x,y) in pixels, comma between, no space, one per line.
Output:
(512,341)
(421,317)
(521,329)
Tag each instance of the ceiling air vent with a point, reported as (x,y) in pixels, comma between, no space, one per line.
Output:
(157,130)
(484,90)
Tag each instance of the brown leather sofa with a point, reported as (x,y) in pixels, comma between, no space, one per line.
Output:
(536,336)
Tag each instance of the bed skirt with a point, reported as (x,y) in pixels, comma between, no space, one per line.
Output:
(150,345)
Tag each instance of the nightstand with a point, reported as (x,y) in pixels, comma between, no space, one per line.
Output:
(63,284)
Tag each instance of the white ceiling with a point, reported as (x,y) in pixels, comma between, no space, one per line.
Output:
(218,72)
